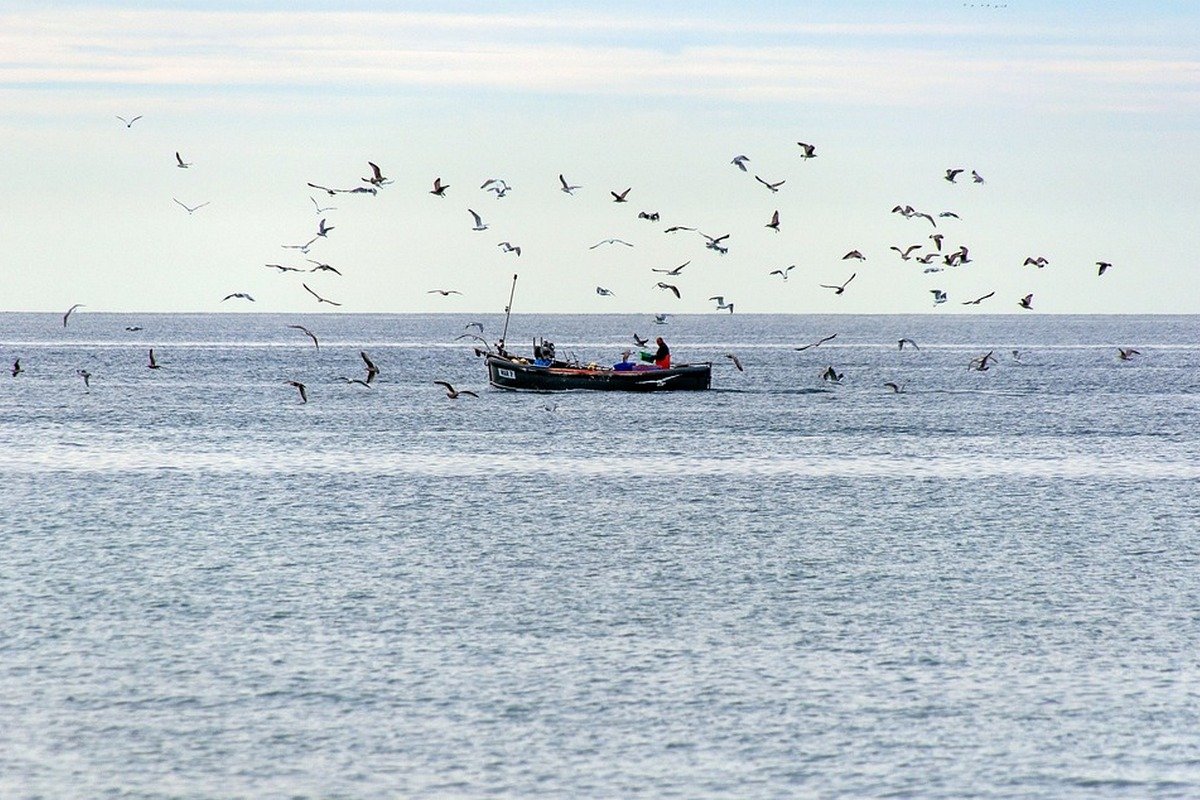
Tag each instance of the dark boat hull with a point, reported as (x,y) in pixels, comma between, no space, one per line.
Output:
(505,373)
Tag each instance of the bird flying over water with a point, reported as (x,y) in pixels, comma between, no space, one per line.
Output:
(714,242)
(975,176)
(830,374)
(951,174)
(283,268)
(783,273)
(906,253)
(740,162)
(610,241)
(320,299)
(439,188)
(774,223)
(909,342)
(320,209)
(1102,267)
(1026,302)
(129,122)
(453,393)
(939,296)
(817,343)
(153,362)
(179,162)
(87,377)
(896,388)
(509,247)
(1038,262)
(842,288)
(70,311)
(16,367)
(620,197)
(322,267)
(309,334)
(372,370)
(639,341)
(600,290)
(721,304)
(854,254)
(567,187)
(1123,353)
(301,388)
(480,225)
(237,295)
(980,364)
(809,150)
(736,361)
(650,215)
(444,292)
(668,287)
(376,178)
(322,228)
(978,300)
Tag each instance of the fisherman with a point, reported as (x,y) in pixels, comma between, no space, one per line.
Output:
(662,357)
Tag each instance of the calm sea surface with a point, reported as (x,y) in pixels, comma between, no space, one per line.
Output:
(987,586)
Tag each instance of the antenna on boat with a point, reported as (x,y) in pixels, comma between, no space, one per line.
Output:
(507,314)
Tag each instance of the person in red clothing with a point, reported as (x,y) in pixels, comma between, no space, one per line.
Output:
(662,358)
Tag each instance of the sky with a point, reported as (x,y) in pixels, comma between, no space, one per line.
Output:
(1083,119)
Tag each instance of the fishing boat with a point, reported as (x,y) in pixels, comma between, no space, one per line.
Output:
(544,372)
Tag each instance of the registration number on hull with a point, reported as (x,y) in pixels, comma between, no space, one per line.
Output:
(506,373)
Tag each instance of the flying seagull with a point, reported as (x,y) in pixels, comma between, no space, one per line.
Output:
(650,215)
(714,242)
(444,292)
(129,122)
(854,254)
(783,273)
(153,362)
(283,268)
(669,287)
(179,162)
(672,271)
(87,378)
(376,178)
(909,342)
(319,298)
(1102,267)
(320,209)
(842,288)
(736,362)
(322,228)
(1026,302)
(774,187)
(372,370)
(70,311)
(301,388)
(509,247)
(192,209)
(830,374)
(600,290)
(480,225)
(439,188)
(740,162)
(1123,353)
(951,174)
(476,325)
(322,267)
(975,176)
(309,334)
(610,241)
(567,187)
(16,368)
(939,296)
(978,300)
(1038,262)
(774,223)
(238,295)
(896,388)
(453,393)
(620,197)
(721,304)
(303,248)
(907,252)
(810,150)
(639,341)
(817,343)
(497,185)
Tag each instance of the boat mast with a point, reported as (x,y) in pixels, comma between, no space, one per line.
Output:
(507,314)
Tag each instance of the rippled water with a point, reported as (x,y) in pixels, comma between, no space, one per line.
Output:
(986,586)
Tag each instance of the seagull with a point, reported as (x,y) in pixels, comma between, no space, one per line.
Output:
(319,298)
(321,210)
(714,243)
(133,327)
(16,368)
(1016,356)
(283,268)
(736,362)
(192,209)
(302,388)
(975,176)
(661,319)
(774,223)
(303,248)
(740,162)
(509,247)
(322,228)
(939,296)
(981,364)
(774,187)
(1038,262)
(951,174)
(817,343)
(610,241)
(477,338)
(673,271)
(87,377)
(179,162)
(476,325)
(842,288)
(908,341)
(480,225)
(639,341)
(444,292)
(896,388)
(936,238)
(650,215)
(600,290)
(810,150)
(439,188)
(977,300)
(677,228)
(721,304)
(453,393)
(670,288)
(832,375)
(497,185)
(949,214)
(359,381)
(70,311)
(309,334)
(322,267)
(1026,301)
(906,253)
(928,258)
(376,178)
(238,295)
(620,198)
(1102,267)
(566,187)
(372,370)
(855,254)
(129,122)
(1123,353)
(783,273)
(153,363)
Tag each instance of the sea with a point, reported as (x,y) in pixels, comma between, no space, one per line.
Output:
(986,585)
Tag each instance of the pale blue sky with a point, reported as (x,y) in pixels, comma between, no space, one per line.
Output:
(1082,117)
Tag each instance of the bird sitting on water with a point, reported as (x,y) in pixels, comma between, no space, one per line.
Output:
(453,393)
(830,374)
(896,388)
(1123,353)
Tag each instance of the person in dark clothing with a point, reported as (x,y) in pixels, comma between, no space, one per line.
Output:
(662,357)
